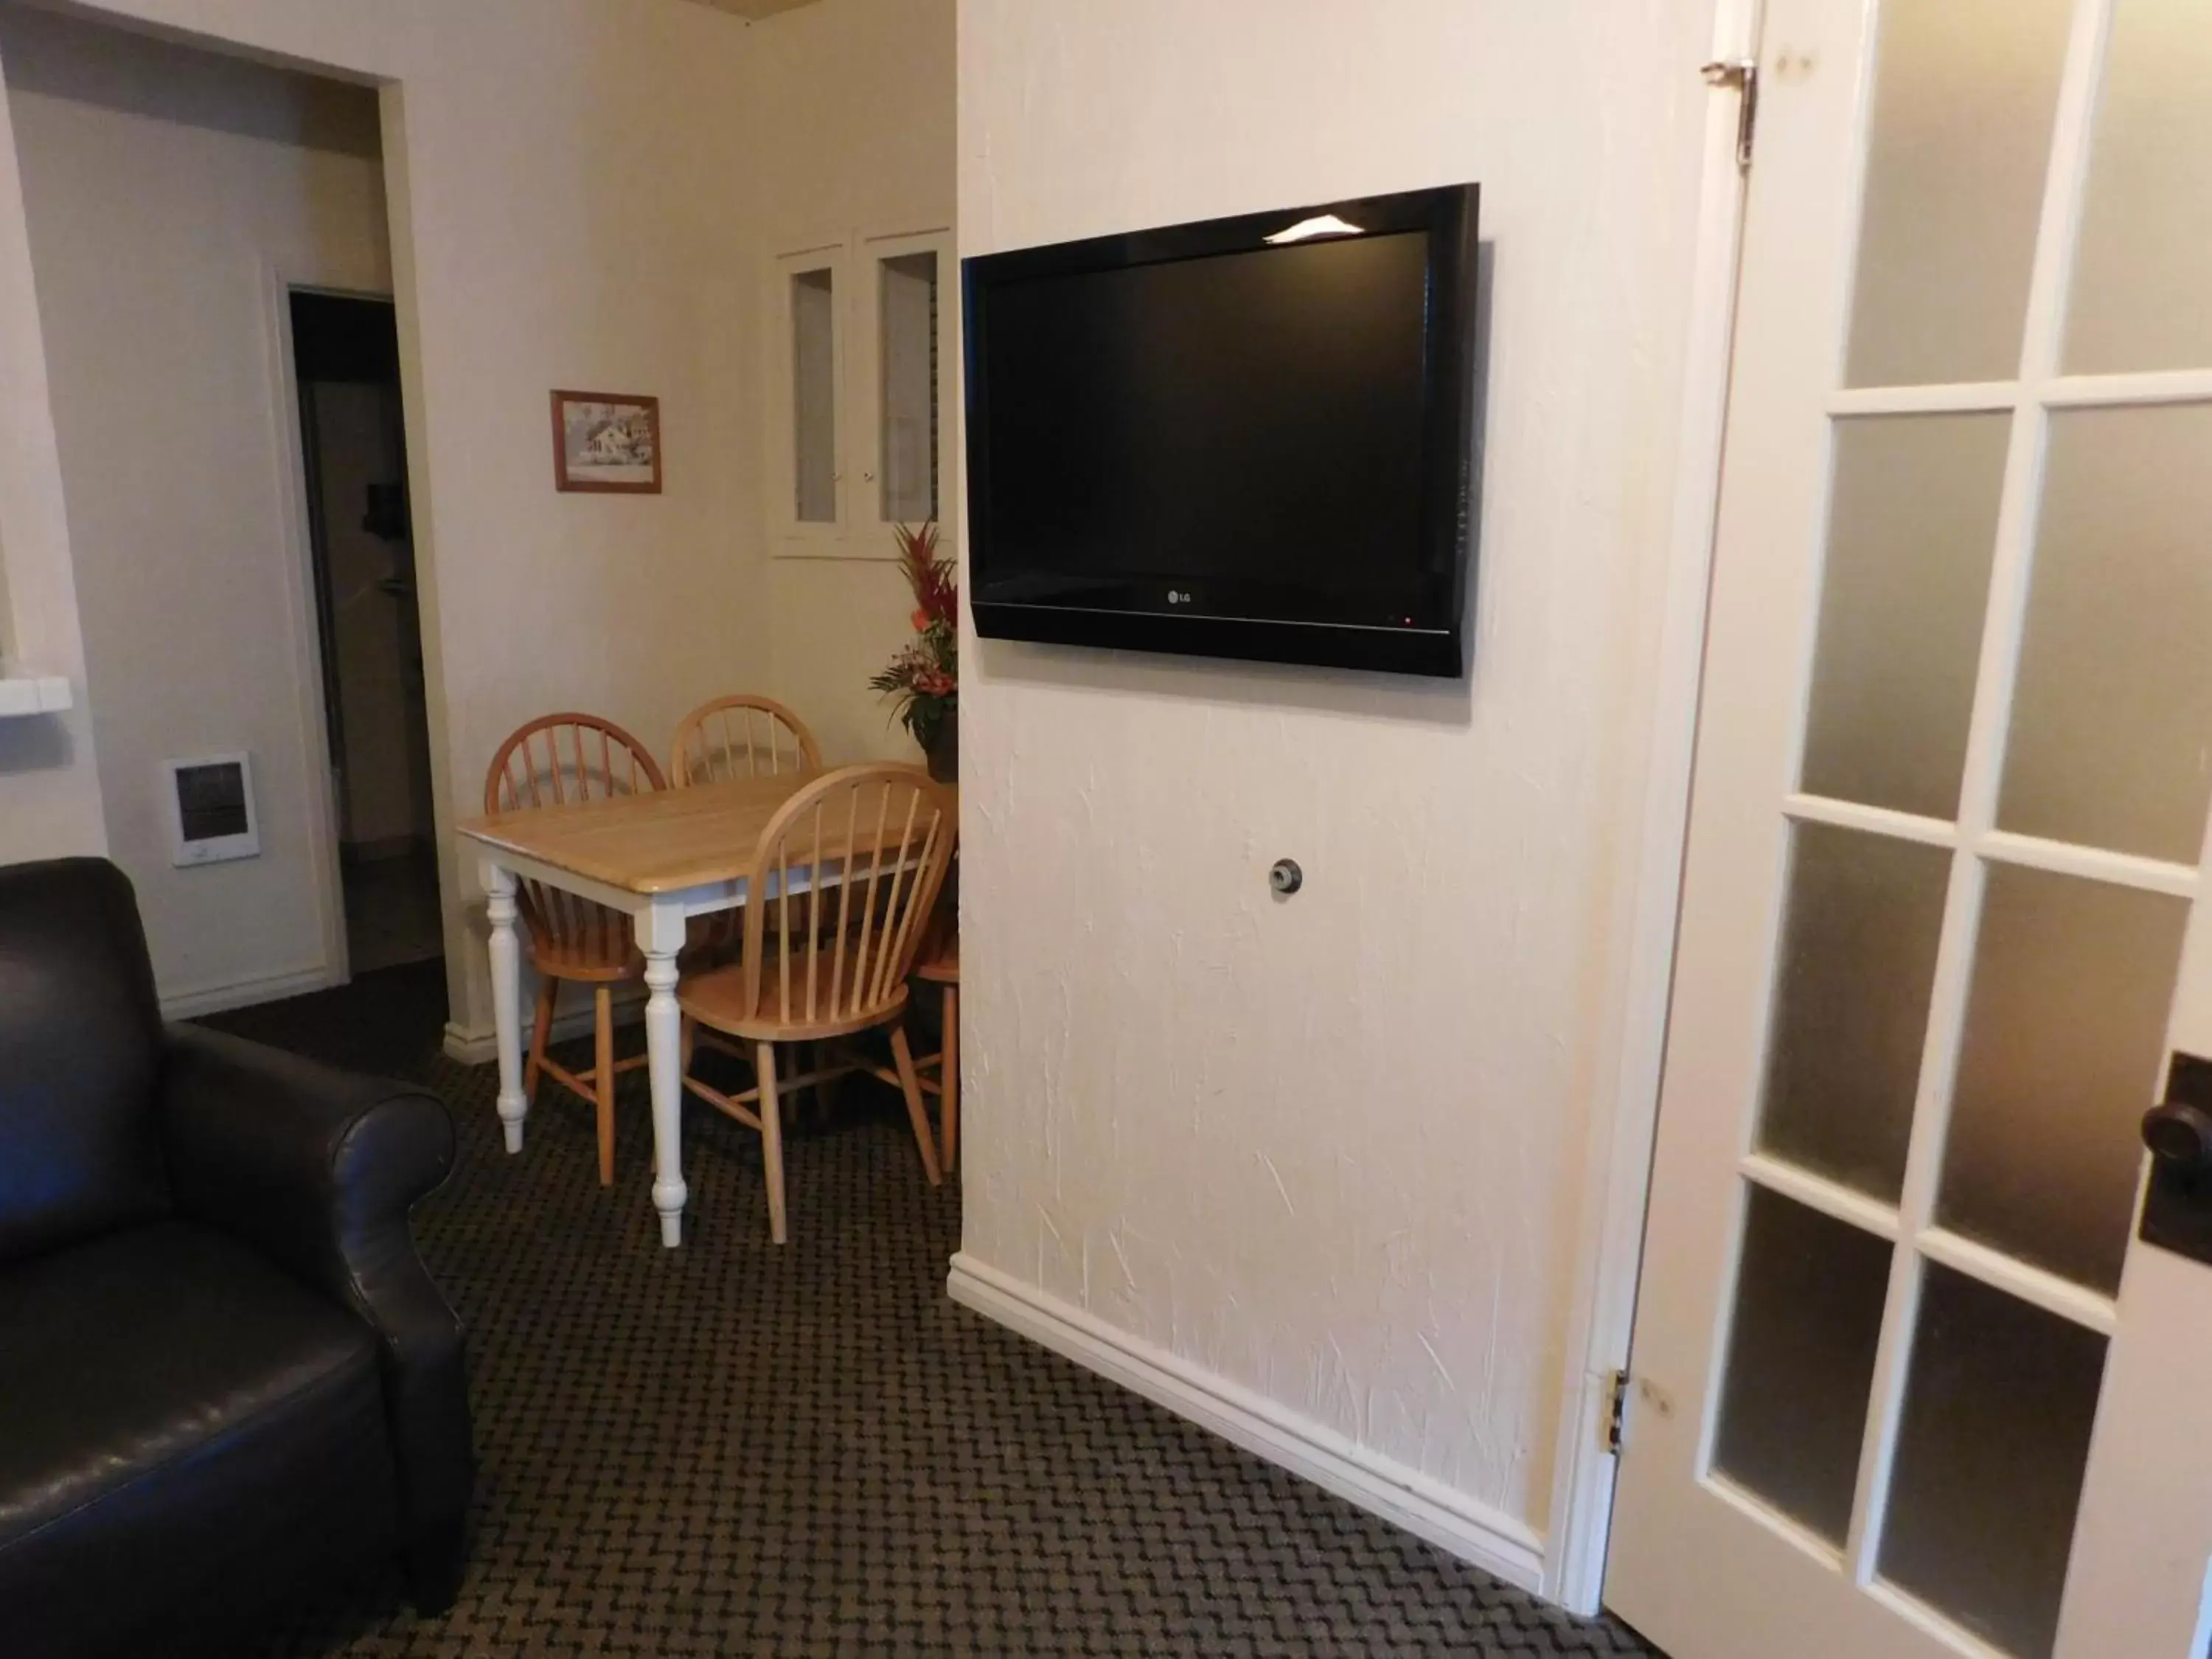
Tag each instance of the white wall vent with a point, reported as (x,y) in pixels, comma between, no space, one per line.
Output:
(209,802)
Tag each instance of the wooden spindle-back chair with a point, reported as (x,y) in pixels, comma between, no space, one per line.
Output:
(838,896)
(555,761)
(741,737)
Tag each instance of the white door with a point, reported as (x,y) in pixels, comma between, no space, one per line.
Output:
(1906,1382)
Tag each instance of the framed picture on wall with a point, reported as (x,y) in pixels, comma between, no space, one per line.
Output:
(606,442)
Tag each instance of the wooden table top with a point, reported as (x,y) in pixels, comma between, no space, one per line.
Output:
(661,841)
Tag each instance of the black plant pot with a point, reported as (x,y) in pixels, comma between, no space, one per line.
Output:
(943,749)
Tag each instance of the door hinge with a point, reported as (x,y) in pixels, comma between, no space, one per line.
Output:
(1742,74)
(1615,1415)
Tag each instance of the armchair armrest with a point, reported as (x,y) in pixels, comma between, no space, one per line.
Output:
(317,1169)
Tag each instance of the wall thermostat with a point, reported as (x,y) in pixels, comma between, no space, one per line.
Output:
(210,809)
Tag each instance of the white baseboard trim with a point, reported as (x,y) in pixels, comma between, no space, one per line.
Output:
(243,993)
(472,1047)
(1469,1529)
(466,1046)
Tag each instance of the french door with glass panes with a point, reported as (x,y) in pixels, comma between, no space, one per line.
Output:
(1906,1382)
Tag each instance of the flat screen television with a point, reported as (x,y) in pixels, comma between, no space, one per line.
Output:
(1249,437)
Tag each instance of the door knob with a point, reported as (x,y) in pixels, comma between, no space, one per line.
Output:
(2179,1136)
(2177,1211)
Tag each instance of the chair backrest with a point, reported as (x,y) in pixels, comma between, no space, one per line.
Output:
(883,833)
(741,737)
(559,760)
(81,1150)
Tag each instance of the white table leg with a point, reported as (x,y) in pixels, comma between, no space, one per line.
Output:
(660,936)
(506,1001)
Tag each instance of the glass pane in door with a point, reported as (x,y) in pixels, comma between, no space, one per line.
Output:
(2063,1046)
(1965,92)
(906,399)
(2111,725)
(814,395)
(1801,1360)
(1851,1003)
(1990,1452)
(1912,529)
(2144,265)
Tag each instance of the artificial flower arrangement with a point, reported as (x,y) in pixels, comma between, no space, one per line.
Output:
(924,676)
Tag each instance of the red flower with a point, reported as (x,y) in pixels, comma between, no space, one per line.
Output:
(936,588)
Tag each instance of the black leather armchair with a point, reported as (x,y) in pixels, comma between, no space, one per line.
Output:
(223,1369)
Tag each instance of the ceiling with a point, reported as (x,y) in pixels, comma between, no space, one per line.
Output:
(756,8)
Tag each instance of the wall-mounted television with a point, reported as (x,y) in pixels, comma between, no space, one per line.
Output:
(1249,437)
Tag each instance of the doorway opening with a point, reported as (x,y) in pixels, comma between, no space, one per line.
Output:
(353,446)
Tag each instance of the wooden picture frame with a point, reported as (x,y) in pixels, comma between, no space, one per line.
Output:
(607,443)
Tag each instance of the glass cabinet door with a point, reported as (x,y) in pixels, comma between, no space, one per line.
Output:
(806,418)
(906,380)
(859,410)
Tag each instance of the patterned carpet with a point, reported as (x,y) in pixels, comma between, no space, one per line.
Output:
(731,1449)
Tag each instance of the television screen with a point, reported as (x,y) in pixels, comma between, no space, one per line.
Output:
(1204,440)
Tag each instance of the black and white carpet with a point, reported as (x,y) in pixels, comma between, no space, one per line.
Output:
(733,1449)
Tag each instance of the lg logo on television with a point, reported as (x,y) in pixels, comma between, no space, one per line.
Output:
(1174,597)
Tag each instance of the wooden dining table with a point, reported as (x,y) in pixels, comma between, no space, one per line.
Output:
(660,857)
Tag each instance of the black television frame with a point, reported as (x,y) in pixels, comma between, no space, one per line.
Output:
(1227,619)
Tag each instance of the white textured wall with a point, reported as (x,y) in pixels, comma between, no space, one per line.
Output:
(570,189)
(169,193)
(49,783)
(851,116)
(832,623)
(1329,1150)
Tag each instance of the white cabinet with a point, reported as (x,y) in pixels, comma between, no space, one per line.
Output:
(859,417)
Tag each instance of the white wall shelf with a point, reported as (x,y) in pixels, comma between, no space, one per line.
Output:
(30,693)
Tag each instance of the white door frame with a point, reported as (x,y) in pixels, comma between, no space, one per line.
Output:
(278,286)
(1615,1174)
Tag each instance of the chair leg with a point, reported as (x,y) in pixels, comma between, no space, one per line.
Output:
(917,1114)
(771,1117)
(948,1083)
(548,988)
(603,1076)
